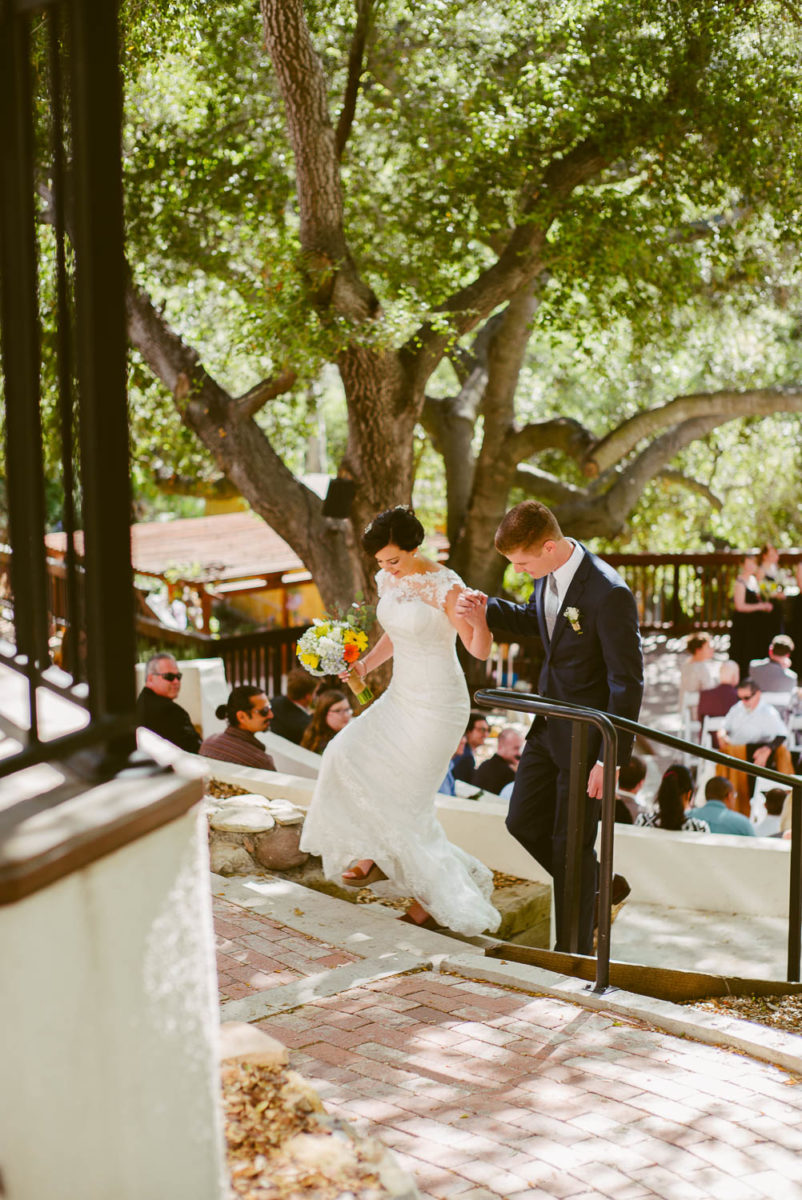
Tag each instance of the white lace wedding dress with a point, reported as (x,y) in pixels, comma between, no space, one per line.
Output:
(379,776)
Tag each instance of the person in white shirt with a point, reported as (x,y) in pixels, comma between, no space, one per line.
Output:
(754,724)
(770,825)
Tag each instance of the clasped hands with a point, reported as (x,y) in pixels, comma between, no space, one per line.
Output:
(471,607)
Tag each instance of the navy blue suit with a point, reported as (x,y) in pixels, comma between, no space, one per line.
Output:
(600,667)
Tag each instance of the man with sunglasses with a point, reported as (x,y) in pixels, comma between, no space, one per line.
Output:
(499,770)
(248,712)
(156,708)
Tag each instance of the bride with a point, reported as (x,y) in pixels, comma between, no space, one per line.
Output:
(374,798)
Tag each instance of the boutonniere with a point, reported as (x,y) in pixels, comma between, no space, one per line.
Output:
(572,617)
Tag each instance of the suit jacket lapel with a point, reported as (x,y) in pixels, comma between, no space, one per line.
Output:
(573,595)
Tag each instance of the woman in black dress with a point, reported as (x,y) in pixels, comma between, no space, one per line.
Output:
(751,618)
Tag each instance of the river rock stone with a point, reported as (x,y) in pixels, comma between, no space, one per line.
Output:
(278,850)
(242,818)
(229,858)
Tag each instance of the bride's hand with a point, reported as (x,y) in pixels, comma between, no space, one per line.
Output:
(358,668)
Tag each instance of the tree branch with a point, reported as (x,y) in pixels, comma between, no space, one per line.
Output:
(250,403)
(727,405)
(559,433)
(691,485)
(547,487)
(364,14)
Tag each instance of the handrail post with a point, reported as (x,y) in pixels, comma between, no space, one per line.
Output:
(606,860)
(795,893)
(575,829)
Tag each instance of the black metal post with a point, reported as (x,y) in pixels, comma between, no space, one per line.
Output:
(100,305)
(795,891)
(19,317)
(577,800)
(603,944)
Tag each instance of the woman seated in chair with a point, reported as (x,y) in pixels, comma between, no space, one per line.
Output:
(696,674)
(673,800)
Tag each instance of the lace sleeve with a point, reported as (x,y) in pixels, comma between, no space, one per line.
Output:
(381,582)
(435,587)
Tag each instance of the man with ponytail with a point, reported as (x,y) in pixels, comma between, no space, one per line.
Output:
(248,712)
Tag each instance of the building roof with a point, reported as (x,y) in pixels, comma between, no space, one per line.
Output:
(238,545)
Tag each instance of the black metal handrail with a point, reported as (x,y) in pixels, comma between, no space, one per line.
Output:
(565,710)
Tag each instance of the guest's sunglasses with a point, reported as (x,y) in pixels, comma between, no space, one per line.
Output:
(171,676)
(264,712)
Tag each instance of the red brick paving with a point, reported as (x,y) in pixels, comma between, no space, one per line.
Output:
(255,953)
(487,1093)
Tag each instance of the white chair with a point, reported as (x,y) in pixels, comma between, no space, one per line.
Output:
(780,700)
(711,725)
(689,725)
(795,732)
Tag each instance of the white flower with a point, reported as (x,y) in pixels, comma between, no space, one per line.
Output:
(572,617)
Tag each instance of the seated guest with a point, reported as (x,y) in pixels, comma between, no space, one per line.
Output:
(774,674)
(770,825)
(293,711)
(630,781)
(717,811)
(156,707)
(496,772)
(448,786)
(332,713)
(475,733)
(717,701)
(695,673)
(248,712)
(756,726)
(674,797)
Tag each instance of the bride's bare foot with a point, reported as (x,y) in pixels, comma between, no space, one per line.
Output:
(363,874)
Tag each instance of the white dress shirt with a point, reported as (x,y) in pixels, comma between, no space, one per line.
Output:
(563,575)
(762,724)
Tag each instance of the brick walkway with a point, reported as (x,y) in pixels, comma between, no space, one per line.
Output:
(486,1093)
(254,953)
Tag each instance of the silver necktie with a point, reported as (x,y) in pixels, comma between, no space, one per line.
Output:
(551,604)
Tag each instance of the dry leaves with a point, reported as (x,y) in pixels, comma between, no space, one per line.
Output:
(780,1012)
(282,1146)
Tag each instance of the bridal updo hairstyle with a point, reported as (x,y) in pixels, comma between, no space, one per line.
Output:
(394,527)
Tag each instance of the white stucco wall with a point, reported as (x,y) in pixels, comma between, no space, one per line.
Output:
(108,1007)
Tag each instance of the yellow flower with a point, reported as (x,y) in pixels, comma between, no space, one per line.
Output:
(362,640)
(310,660)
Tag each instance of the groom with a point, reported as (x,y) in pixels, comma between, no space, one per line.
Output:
(587,619)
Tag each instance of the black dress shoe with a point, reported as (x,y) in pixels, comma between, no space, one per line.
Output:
(620,892)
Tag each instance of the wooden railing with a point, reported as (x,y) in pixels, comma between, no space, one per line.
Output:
(262,658)
(677,593)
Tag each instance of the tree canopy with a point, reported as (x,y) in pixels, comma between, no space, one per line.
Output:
(561,238)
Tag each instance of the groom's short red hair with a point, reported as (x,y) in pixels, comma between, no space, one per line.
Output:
(526,526)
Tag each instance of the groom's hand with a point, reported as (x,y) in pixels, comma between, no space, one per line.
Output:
(471,606)
(596,781)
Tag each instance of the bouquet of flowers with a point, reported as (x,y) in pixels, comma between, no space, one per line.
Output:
(332,645)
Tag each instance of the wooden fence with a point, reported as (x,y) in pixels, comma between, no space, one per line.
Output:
(675,594)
